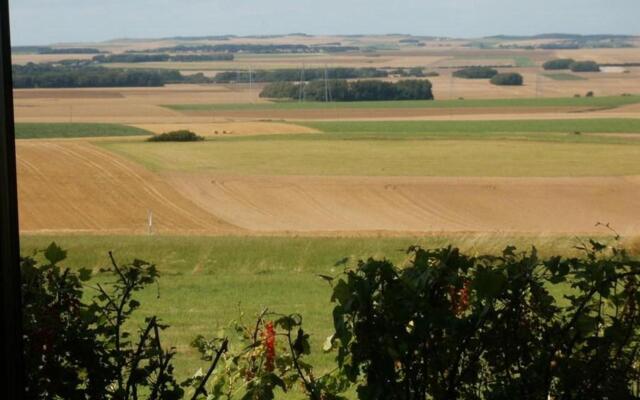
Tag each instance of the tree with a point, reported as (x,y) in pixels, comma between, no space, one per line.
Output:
(508,79)
(585,66)
(559,63)
(475,73)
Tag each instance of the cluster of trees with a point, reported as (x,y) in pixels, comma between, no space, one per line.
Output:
(254,48)
(558,63)
(475,73)
(176,136)
(60,76)
(291,74)
(140,58)
(569,63)
(585,66)
(508,79)
(343,90)
(415,72)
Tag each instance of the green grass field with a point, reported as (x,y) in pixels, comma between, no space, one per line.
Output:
(592,102)
(390,128)
(74,130)
(386,157)
(563,76)
(207,281)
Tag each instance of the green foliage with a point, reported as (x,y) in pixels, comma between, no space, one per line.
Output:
(342,90)
(507,79)
(176,136)
(558,63)
(264,359)
(475,73)
(280,90)
(452,326)
(77,349)
(585,66)
(28,130)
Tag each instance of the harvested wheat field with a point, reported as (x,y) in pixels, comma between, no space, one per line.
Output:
(417,204)
(72,186)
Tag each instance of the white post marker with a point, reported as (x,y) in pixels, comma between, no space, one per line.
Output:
(150,222)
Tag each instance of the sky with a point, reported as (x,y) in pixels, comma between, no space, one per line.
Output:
(54,21)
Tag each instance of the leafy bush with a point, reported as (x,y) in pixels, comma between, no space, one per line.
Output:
(81,350)
(453,326)
(269,358)
(443,326)
(559,63)
(78,349)
(475,73)
(585,66)
(176,136)
(508,79)
(342,90)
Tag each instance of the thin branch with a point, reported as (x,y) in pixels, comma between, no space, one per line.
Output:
(137,356)
(223,349)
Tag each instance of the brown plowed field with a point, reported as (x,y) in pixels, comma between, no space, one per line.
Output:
(404,204)
(69,186)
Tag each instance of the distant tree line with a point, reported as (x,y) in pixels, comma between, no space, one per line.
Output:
(51,50)
(202,57)
(294,74)
(343,90)
(70,50)
(60,76)
(140,58)
(569,63)
(475,73)
(27,49)
(252,48)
